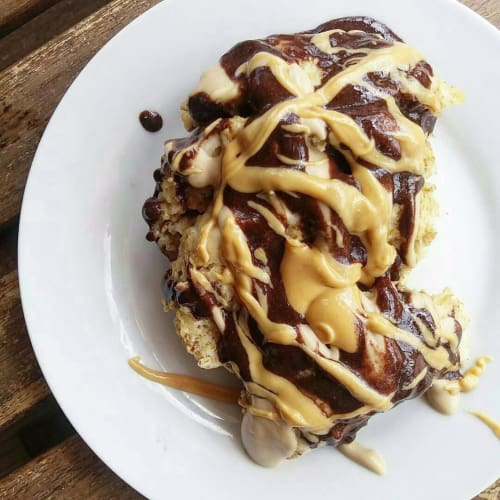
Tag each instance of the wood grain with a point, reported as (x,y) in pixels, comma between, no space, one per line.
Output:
(15,12)
(22,386)
(491,493)
(42,28)
(31,89)
(489,9)
(68,471)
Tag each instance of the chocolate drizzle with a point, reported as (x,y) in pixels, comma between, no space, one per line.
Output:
(314,223)
(405,189)
(300,369)
(260,235)
(151,120)
(232,351)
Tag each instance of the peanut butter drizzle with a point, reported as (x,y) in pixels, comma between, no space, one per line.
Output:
(416,380)
(444,395)
(317,286)
(440,399)
(470,380)
(186,383)
(370,459)
(437,358)
(494,425)
(326,298)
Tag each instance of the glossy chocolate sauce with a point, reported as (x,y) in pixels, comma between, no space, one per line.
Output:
(151,120)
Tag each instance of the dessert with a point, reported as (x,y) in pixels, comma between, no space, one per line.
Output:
(292,215)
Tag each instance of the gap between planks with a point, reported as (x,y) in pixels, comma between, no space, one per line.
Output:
(22,386)
(42,428)
(31,89)
(69,470)
(42,28)
(14,13)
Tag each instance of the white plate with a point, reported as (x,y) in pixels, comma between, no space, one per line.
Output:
(90,282)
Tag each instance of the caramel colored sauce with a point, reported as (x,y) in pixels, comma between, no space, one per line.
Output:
(186,383)
(486,419)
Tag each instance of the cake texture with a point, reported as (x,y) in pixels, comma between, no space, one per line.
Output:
(291,216)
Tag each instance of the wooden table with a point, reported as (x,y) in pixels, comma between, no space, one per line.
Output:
(43,46)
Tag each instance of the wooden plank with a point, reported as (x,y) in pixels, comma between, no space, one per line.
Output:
(30,90)
(21,384)
(44,427)
(42,28)
(70,470)
(13,13)
(491,493)
(489,9)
